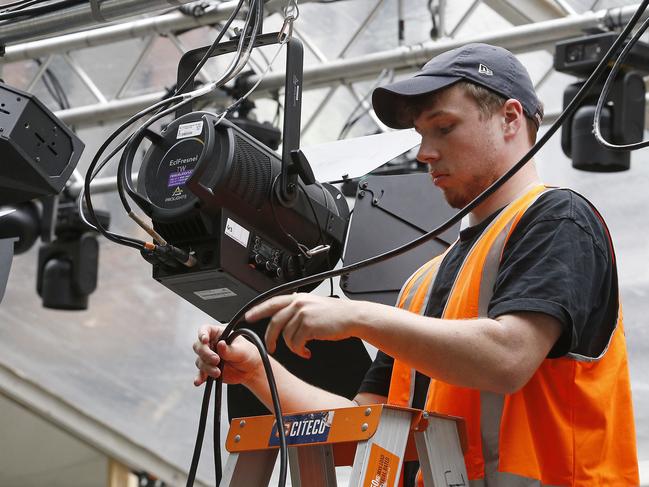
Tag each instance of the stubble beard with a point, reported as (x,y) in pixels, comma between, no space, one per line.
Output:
(460,198)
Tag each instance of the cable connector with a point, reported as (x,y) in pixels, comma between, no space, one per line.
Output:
(168,255)
(185,258)
(318,250)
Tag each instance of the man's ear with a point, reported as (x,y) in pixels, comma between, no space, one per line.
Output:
(513,114)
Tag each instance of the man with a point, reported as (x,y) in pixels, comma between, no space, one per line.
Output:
(516,325)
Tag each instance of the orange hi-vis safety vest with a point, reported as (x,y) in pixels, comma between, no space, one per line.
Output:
(571,424)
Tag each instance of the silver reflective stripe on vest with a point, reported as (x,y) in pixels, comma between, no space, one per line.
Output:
(491,411)
(417,284)
(508,480)
(490,270)
(406,305)
(411,397)
(491,403)
(415,287)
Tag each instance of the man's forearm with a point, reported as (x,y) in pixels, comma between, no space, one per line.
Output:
(294,394)
(480,353)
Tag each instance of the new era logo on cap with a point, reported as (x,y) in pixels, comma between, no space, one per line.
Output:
(482,69)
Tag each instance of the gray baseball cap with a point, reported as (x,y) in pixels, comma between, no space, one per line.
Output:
(493,67)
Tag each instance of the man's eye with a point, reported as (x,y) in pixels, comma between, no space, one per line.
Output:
(446,129)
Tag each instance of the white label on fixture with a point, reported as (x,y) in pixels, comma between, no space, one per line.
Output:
(190,129)
(237,232)
(208,294)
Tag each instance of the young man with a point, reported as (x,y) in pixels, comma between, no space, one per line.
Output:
(516,327)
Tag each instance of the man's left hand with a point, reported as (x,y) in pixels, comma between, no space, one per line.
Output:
(302,317)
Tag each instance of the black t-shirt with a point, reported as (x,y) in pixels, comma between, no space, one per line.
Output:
(558,261)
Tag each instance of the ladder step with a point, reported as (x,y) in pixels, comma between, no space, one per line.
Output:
(375,440)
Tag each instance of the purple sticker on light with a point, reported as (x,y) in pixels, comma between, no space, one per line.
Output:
(178,178)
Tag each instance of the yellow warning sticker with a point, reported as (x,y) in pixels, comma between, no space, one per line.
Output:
(382,468)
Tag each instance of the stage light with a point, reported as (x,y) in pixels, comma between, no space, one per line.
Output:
(39,154)
(248,218)
(67,266)
(622,120)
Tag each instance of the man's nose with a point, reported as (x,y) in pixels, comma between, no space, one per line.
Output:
(427,154)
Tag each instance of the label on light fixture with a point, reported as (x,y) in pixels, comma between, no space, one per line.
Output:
(209,294)
(237,232)
(190,129)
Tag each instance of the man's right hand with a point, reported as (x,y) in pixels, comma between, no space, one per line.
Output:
(241,358)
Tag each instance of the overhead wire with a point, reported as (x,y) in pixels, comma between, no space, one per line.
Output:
(11,7)
(35,11)
(237,64)
(176,101)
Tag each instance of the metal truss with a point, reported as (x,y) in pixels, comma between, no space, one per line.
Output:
(329,73)
(66,19)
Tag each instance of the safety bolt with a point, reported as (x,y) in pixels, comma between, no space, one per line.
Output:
(426,415)
(361,195)
(368,411)
(237,438)
(364,427)
(364,185)
(242,423)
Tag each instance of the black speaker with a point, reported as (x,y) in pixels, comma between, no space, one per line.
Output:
(38,151)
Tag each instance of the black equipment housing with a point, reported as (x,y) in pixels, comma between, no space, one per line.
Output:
(39,152)
(214,190)
(68,265)
(214,193)
(391,211)
(623,116)
(579,56)
(249,217)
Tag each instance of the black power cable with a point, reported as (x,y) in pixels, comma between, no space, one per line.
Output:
(134,141)
(180,100)
(11,7)
(35,11)
(211,49)
(238,317)
(119,239)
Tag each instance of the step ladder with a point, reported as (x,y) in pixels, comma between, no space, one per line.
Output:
(375,440)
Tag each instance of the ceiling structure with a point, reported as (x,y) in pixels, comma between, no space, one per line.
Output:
(118,376)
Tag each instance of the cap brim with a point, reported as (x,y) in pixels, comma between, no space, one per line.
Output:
(388,101)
